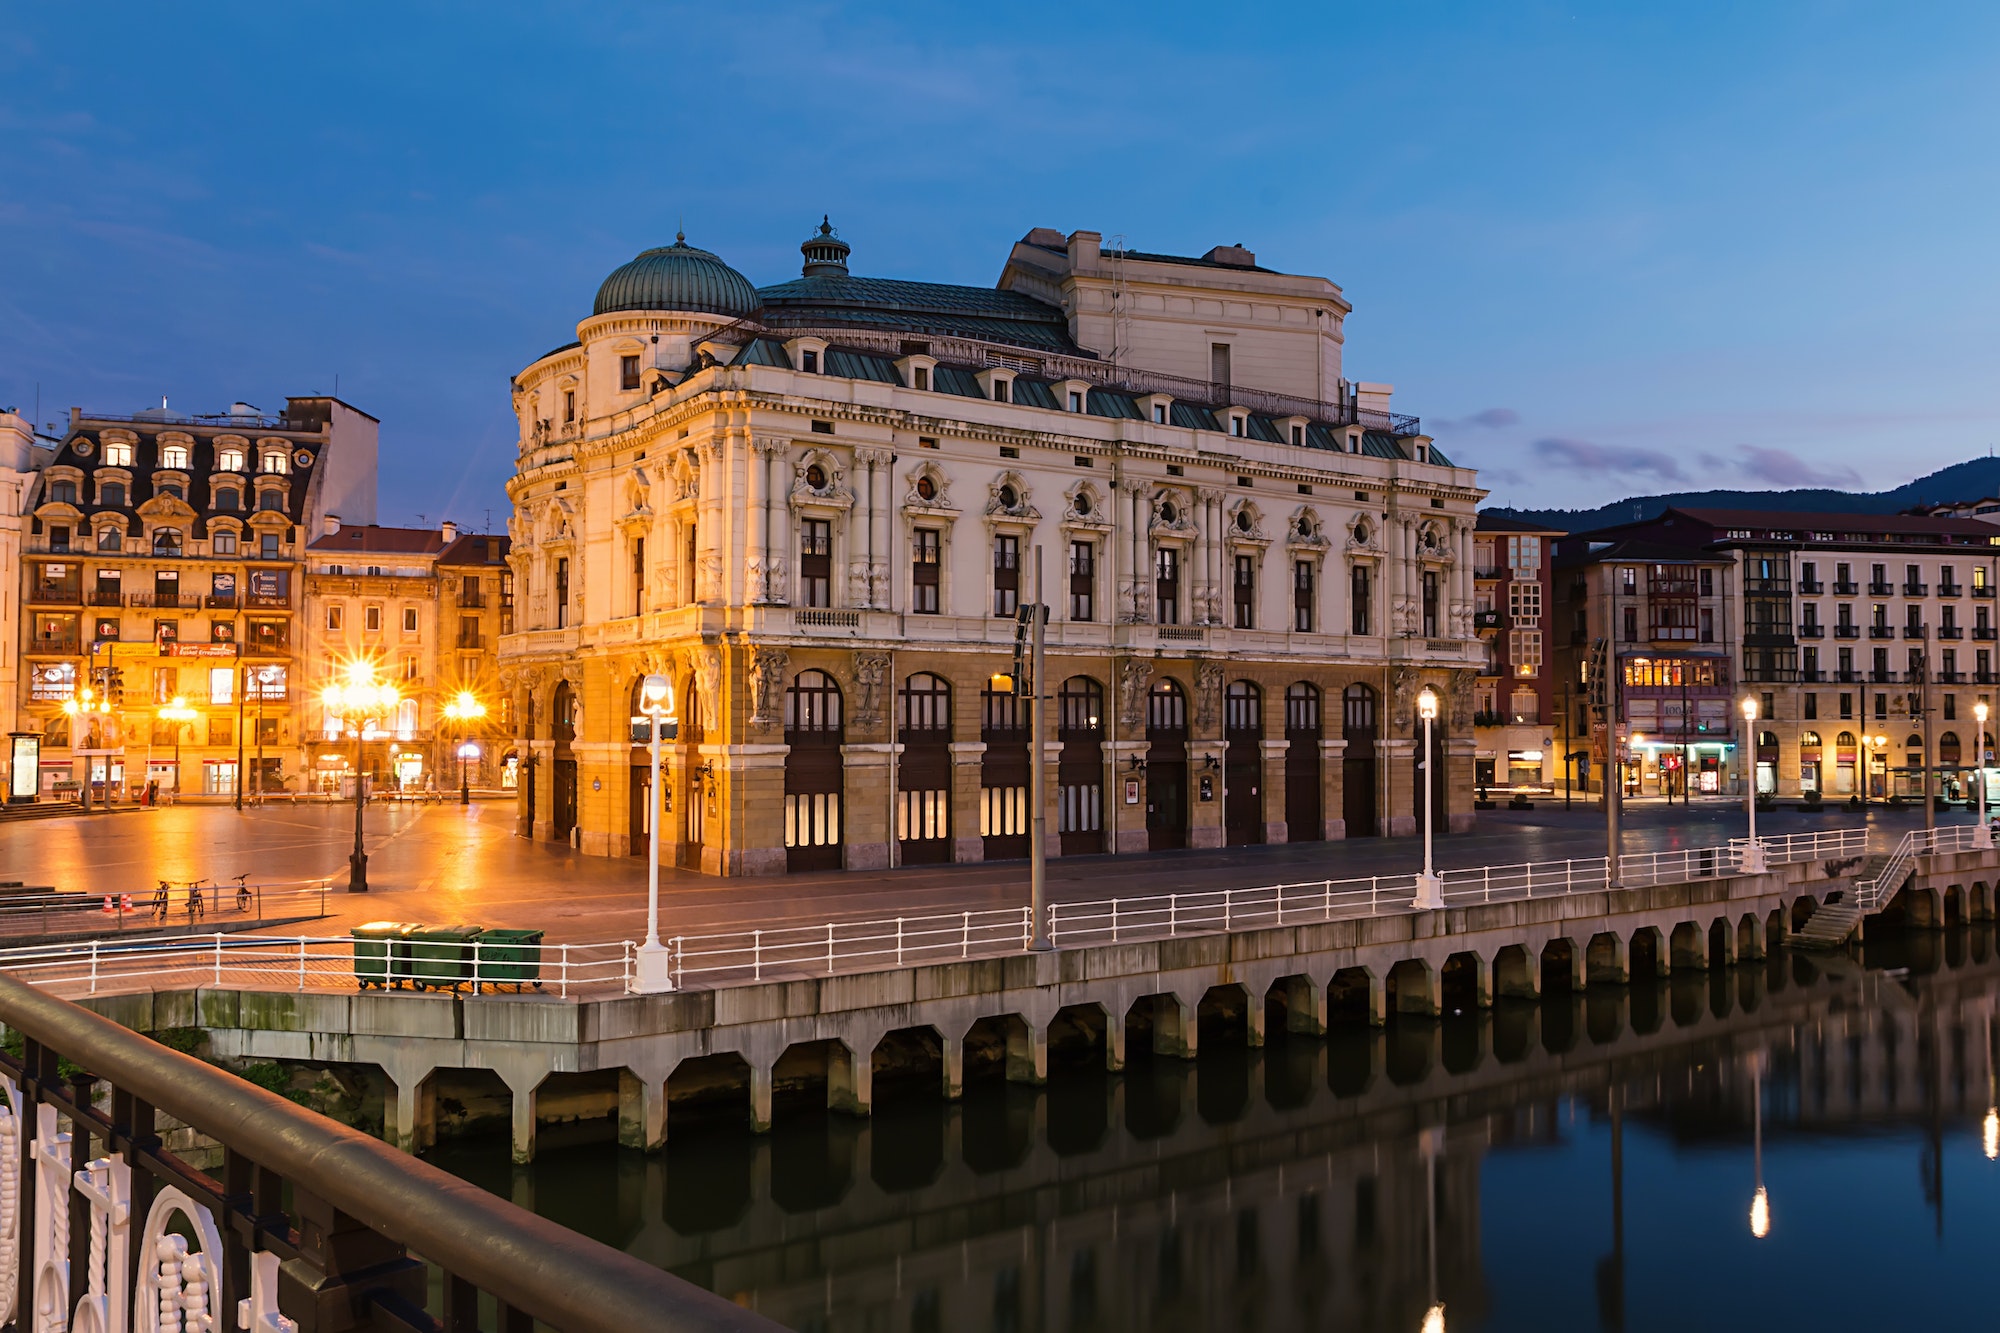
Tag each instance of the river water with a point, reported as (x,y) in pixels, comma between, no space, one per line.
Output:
(1591,1162)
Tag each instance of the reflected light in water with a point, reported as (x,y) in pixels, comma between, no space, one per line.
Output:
(1434,1319)
(1990,1134)
(1760,1214)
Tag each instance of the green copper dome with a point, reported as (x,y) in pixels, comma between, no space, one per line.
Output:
(677,277)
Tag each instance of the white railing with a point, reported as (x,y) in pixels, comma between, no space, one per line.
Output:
(305,962)
(752,955)
(54,913)
(1872,895)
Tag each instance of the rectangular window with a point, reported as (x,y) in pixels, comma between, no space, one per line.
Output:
(1811,712)
(1167,585)
(336,616)
(689,562)
(809,361)
(1218,364)
(1708,583)
(1003,811)
(812,819)
(223,542)
(921,379)
(1302,596)
(569,406)
(371,619)
(1082,581)
(1628,580)
(409,620)
(222,685)
(628,372)
(1006,575)
(1631,624)
(1524,650)
(409,668)
(1524,601)
(816,565)
(1846,705)
(562,591)
(166,684)
(267,546)
(468,632)
(1363,613)
(925,559)
(1430,606)
(1246,591)
(221,731)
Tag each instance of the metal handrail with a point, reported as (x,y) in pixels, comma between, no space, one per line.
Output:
(538,1268)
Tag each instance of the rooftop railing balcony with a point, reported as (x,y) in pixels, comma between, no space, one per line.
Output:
(1811,587)
(1951,631)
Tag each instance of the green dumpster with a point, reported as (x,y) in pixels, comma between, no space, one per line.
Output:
(440,956)
(379,951)
(509,958)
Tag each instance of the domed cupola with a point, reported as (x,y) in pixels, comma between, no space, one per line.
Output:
(826,254)
(677,277)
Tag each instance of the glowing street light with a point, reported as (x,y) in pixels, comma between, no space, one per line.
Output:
(1430,889)
(1752,862)
(465,710)
(353,702)
(654,971)
(87,702)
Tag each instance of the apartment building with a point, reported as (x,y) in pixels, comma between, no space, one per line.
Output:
(1851,626)
(819,509)
(160,586)
(1516,709)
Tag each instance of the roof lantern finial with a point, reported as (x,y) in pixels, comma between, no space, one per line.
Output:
(826,254)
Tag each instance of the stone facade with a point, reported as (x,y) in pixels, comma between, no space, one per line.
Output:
(820,518)
(1516,710)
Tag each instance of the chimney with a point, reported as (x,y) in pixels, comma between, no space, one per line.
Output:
(450,531)
(329,525)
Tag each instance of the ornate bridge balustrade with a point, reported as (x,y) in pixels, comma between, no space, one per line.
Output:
(312,1228)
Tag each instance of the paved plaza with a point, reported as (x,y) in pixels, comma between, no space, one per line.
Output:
(447,864)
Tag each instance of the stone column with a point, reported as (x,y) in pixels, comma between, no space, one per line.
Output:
(709,575)
(1332,774)
(954,1066)
(642,1111)
(1114,1042)
(760,1097)
(850,1079)
(1051,786)
(1175,1029)
(1394,758)
(1272,774)
(1305,1007)
(1028,1053)
(966,844)
(864,805)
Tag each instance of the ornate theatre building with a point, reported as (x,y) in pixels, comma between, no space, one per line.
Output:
(817,507)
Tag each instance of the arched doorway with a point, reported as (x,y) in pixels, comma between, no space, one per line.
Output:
(1003,775)
(923,771)
(562,730)
(1438,767)
(813,730)
(1357,766)
(1243,764)
(1166,767)
(1810,772)
(1303,820)
(694,818)
(1080,770)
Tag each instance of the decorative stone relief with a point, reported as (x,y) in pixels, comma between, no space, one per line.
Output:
(1304,529)
(819,478)
(1462,682)
(869,671)
(1133,675)
(1207,693)
(929,492)
(767,686)
(1171,514)
(708,684)
(1404,685)
(1007,497)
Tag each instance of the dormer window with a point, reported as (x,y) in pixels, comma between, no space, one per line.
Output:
(172,488)
(117,455)
(110,539)
(1160,413)
(1001,392)
(222,542)
(1075,400)
(921,379)
(62,492)
(274,461)
(628,372)
(229,460)
(1298,434)
(1235,425)
(809,361)
(166,541)
(174,456)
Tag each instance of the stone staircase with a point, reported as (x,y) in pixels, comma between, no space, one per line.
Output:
(1829,927)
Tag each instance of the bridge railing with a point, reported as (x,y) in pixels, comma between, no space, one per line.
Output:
(309,1225)
(1873,894)
(53,913)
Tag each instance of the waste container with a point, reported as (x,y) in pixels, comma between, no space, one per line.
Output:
(509,958)
(440,956)
(379,953)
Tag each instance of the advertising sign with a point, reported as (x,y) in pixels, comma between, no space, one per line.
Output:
(25,762)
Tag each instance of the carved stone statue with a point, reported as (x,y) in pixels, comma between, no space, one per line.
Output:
(1404,685)
(1133,675)
(708,684)
(1207,693)
(869,671)
(767,686)
(1462,682)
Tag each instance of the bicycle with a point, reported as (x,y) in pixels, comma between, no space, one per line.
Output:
(161,904)
(194,904)
(243,894)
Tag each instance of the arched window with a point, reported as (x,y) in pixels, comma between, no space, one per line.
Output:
(1358,708)
(166,541)
(174,457)
(1767,740)
(1914,742)
(812,705)
(110,539)
(1242,709)
(1809,740)
(1948,749)
(1166,709)
(1302,709)
(228,460)
(1845,741)
(926,703)
(117,454)
(172,488)
(1080,708)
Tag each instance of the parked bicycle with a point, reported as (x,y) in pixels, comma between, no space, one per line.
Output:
(195,909)
(161,904)
(243,895)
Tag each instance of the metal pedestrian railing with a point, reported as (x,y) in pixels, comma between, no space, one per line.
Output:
(1872,895)
(51,913)
(304,962)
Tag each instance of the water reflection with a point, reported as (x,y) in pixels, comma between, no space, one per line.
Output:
(1582,1163)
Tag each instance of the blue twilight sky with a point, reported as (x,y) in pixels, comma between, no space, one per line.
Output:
(1600,248)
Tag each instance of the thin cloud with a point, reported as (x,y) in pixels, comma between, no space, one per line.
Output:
(1783,468)
(1493,418)
(1608,459)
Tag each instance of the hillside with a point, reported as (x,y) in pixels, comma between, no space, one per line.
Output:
(1961,481)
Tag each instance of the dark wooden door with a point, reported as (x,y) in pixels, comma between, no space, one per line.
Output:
(1303,799)
(1080,770)
(1166,768)
(638,834)
(1243,764)
(1357,768)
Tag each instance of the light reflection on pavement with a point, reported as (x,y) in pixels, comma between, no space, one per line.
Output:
(446,864)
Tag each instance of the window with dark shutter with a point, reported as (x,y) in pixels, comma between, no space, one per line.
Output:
(1082,581)
(816,562)
(925,559)
(1006,575)
(1167,585)
(1302,596)
(1246,591)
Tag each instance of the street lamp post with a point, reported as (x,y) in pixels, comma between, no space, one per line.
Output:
(654,972)
(1753,851)
(354,701)
(1982,837)
(180,715)
(464,710)
(1430,889)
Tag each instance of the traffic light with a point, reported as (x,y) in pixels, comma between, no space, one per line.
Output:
(1600,675)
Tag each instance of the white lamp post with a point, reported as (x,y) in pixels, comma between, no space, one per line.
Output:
(1982,837)
(1753,851)
(1430,889)
(654,972)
